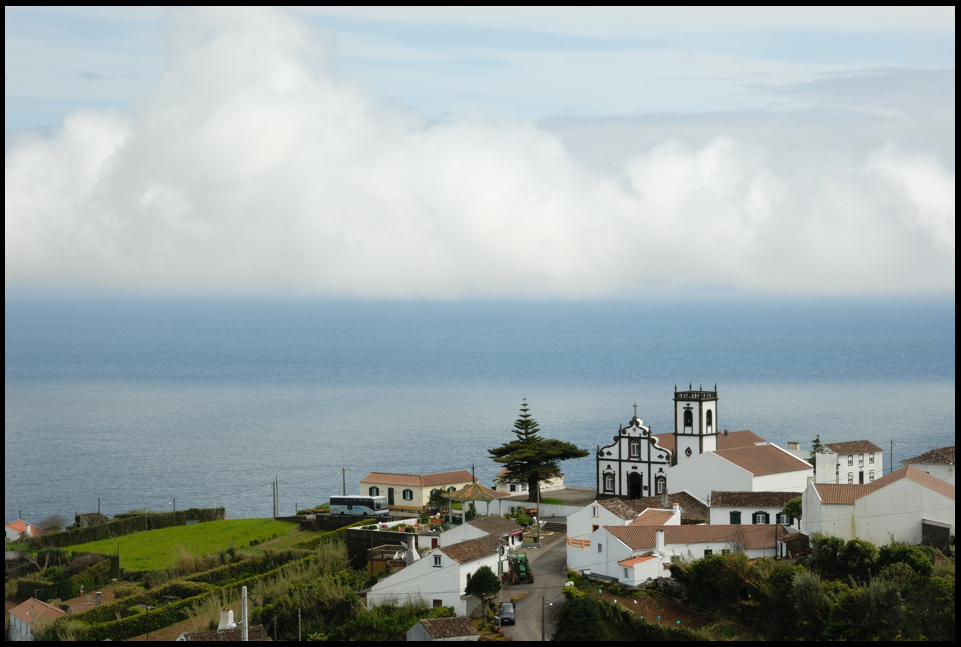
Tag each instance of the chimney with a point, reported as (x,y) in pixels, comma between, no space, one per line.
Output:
(676,508)
(660,540)
(99,597)
(226,619)
(794,445)
(664,503)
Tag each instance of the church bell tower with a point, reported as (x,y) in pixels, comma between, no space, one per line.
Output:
(695,422)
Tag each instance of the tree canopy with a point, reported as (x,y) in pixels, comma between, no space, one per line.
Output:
(531,458)
(483,584)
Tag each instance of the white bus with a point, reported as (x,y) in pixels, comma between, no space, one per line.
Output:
(359,505)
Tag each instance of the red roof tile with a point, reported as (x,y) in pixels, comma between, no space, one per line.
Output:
(653,517)
(34,608)
(920,477)
(844,493)
(419,480)
(751,499)
(940,456)
(642,537)
(636,560)
(448,627)
(730,440)
(761,460)
(468,551)
(853,447)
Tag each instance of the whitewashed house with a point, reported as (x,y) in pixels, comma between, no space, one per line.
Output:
(584,522)
(904,506)
(937,462)
(855,461)
(502,483)
(445,629)
(636,553)
(732,508)
(20,528)
(412,491)
(439,578)
(25,618)
(500,527)
(753,468)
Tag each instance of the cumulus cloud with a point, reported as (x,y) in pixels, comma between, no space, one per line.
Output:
(251,166)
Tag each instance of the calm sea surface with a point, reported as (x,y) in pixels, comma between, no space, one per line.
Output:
(140,401)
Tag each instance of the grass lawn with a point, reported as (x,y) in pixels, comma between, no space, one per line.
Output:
(152,549)
(552,501)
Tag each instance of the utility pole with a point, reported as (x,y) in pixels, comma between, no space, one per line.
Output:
(243,614)
(543,608)
(538,521)
(98,506)
(472,475)
(298,626)
(175,505)
(343,473)
(891,462)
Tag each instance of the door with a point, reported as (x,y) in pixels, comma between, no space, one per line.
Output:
(633,485)
(390,496)
(861,478)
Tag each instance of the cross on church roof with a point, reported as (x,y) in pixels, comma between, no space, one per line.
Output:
(635,409)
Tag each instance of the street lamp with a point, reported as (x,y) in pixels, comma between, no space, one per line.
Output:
(544,605)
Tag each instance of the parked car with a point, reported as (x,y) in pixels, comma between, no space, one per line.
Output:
(506,613)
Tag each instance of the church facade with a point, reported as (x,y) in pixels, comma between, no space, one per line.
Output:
(695,423)
(634,465)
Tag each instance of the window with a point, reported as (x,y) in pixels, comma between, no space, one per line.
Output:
(659,484)
(438,603)
(850,460)
(708,551)
(850,477)
(468,580)
(871,458)
(870,476)
(710,420)
(608,482)
(437,560)
(594,510)
(513,488)
(860,460)
(635,448)
(594,527)
(760,518)
(736,518)
(725,551)
(784,518)
(374,491)
(626,574)
(688,418)
(600,547)
(408,495)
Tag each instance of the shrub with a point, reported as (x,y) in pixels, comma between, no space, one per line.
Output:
(916,557)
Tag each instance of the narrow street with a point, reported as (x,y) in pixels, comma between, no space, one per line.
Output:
(550,573)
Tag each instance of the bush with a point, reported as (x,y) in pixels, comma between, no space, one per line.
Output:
(124,524)
(916,557)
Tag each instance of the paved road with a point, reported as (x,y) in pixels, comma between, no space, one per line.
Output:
(549,576)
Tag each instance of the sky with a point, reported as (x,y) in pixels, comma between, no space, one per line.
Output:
(481,153)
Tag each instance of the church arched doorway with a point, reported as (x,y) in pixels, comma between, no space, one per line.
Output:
(634,485)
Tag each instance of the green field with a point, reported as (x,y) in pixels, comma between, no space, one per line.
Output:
(153,549)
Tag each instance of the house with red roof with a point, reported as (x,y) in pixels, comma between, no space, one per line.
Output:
(907,505)
(17,529)
(412,491)
(853,461)
(27,617)
(936,462)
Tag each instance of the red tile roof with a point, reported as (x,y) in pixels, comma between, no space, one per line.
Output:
(642,537)
(34,608)
(761,460)
(256,632)
(653,517)
(730,440)
(468,551)
(940,456)
(22,527)
(419,480)
(920,477)
(692,509)
(494,525)
(844,493)
(853,447)
(476,492)
(448,627)
(622,509)
(636,560)
(751,499)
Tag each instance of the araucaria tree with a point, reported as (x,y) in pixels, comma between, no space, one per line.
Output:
(530,457)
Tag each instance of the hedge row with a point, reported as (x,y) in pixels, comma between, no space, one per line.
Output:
(123,526)
(91,578)
(154,597)
(167,615)
(223,575)
(334,535)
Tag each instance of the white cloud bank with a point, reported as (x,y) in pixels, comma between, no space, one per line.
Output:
(250,167)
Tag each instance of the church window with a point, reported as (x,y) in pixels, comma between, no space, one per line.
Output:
(408,495)
(688,452)
(609,482)
(735,517)
(688,418)
(710,420)
(374,491)
(635,448)
(659,485)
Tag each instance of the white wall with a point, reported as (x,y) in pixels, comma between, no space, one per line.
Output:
(783,481)
(834,468)
(580,528)
(943,472)
(701,474)
(722,516)
(896,510)
(461,533)
(19,630)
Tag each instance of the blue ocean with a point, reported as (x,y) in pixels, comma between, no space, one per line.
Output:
(136,402)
